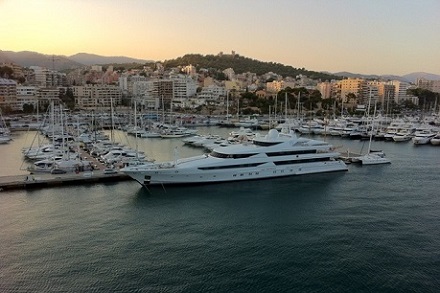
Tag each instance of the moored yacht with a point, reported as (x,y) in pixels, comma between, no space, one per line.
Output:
(423,137)
(274,155)
(436,139)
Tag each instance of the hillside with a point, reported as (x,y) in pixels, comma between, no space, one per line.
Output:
(415,75)
(92,59)
(242,64)
(27,58)
(59,62)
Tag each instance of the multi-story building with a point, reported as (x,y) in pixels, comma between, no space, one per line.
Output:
(401,91)
(431,85)
(325,88)
(8,93)
(230,73)
(44,77)
(27,95)
(184,87)
(97,95)
(47,95)
(354,86)
(370,92)
(190,70)
(160,92)
(386,94)
(17,70)
(278,85)
(213,94)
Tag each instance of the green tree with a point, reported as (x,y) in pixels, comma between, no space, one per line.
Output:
(28,108)
(426,97)
(67,98)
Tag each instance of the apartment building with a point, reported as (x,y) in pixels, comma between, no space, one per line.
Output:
(97,95)
(278,85)
(352,85)
(44,77)
(385,94)
(230,73)
(431,85)
(326,89)
(27,95)
(401,91)
(8,93)
(213,94)
(162,91)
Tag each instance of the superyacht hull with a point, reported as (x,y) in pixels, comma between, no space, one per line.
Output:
(274,155)
(180,176)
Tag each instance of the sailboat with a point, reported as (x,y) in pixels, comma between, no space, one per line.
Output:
(4,131)
(373,157)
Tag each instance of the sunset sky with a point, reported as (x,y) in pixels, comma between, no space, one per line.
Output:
(359,36)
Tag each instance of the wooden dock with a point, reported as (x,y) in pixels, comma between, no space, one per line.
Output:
(52,180)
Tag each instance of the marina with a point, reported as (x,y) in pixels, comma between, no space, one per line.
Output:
(367,229)
(110,160)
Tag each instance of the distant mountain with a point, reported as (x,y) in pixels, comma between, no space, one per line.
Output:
(92,59)
(370,76)
(4,57)
(412,77)
(59,62)
(239,63)
(27,58)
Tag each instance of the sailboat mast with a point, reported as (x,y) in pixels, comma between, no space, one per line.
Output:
(112,122)
(227,105)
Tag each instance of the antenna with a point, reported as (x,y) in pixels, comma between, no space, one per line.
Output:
(53,59)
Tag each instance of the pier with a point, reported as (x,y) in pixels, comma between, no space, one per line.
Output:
(52,180)
(348,156)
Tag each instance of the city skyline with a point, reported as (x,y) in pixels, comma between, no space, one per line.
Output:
(366,37)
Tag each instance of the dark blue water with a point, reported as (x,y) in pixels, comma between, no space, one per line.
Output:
(371,229)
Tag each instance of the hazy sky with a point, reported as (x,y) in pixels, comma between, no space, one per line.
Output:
(359,36)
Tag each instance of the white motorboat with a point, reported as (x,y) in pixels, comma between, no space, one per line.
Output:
(423,137)
(5,138)
(436,139)
(403,136)
(274,155)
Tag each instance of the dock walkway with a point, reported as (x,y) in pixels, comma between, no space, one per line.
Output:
(52,180)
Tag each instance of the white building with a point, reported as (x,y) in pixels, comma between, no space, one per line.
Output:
(44,77)
(158,91)
(230,73)
(431,85)
(97,95)
(400,91)
(212,94)
(27,95)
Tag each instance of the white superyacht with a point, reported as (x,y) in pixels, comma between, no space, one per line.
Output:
(276,154)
